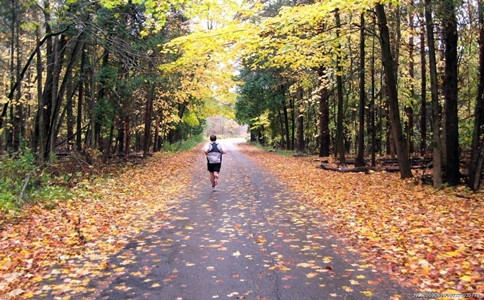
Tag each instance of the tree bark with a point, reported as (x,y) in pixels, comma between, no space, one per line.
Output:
(80,98)
(436,109)
(450,93)
(372,111)
(281,123)
(300,121)
(148,117)
(286,122)
(293,124)
(411,73)
(423,88)
(391,85)
(340,149)
(323,112)
(360,158)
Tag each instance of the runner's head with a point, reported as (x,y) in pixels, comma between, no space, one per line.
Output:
(213,138)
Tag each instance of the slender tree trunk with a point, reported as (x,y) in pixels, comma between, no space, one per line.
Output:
(450,93)
(93,101)
(127,135)
(323,112)
(10,127)
(121,135)
(423,85)
(293,124)
(411,71)
(18,125)
(391,85)
(148,117)
(286,121)
(372,128)
(281,123)
(80,98)
(360,158)
(340,149)
(477,149)
(300,121)
(39,124)
(157,133)
(436,109)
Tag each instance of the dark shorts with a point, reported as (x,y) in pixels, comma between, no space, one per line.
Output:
(213,167)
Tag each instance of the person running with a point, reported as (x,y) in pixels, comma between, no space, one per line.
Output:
(214,152)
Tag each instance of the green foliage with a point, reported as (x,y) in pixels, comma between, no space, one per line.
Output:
(185,145)
(18,177)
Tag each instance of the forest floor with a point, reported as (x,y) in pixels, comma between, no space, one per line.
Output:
(299,228)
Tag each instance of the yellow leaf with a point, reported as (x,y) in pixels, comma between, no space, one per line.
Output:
(311,275)
(367,293)
(347,288)
(304,265)
(465,278)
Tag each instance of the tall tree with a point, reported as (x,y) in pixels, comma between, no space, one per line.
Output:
(340,149)
(436,109)
(323,112)
(423,89)
(449,23)
(411,73)
(300,120)
(360,158)
(391,86)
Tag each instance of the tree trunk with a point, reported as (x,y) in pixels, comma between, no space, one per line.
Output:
(300,121)
(323,112)
(293,124)
(18,117)
(436,109)
(157,133)
(391,86)
(477,150)
(80,98)
(39,123)
(372,128)
(423,85)
(449,21)
(281,123)
(148,117)
(340,149)
(411,73)
(286,121)
(10,126)
(70,114)
(360,158)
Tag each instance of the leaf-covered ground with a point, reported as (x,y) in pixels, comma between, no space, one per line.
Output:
(433,241)
(105,214)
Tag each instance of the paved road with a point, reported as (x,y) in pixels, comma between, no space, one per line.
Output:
(247,239)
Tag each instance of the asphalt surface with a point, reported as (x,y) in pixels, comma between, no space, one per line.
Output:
(249,238)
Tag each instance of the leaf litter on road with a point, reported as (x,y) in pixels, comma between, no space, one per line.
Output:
(52,251)
(430,240)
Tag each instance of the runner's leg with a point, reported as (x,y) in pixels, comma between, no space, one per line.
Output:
(212,179)
(215,177)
